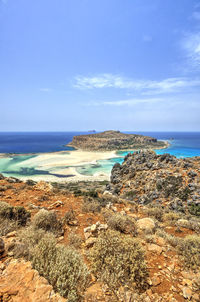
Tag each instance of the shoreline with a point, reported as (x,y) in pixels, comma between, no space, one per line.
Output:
(61,166)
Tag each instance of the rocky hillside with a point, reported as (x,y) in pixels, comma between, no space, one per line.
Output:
(145,177)
(114,140)
(133,240)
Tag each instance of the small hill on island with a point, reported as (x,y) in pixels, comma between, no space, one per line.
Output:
(115,140)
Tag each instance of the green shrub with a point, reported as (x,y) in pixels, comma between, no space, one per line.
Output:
(121,223)
(189,249)
(5,210)
(118,260)
(47,221)
(194,209)
(18,214)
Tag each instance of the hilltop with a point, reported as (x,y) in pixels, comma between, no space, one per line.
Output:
(115,140)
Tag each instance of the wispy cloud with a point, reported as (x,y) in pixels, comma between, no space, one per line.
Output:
(128,102)
(142,86)
(191,44)
(45,89)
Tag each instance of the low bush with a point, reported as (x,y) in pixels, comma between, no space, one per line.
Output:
(119,260)
(18,214)
(69,217)
(62,266)
(156,212)
(75,240)
(189,249)
(47,221)
(7,226)
(194,209)
(171,217)
(121,223)
(91,206)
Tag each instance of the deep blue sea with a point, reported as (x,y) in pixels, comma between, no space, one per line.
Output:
(182,144)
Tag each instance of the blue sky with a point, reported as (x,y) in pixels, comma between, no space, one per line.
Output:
(100,64)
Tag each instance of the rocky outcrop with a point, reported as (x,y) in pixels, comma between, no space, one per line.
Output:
(145,177)
(19,282)
(114,140)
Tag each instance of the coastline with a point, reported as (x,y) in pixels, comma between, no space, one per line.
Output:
(61,166)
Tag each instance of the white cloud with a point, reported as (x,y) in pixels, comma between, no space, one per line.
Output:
(126,102)
(191,44)
(45,89)
(142,86)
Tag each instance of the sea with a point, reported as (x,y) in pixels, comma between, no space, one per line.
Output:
(29,144)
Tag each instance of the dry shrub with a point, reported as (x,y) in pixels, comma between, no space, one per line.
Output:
(69,217)
(171,217)
(75,240)
(62,266)
(155,212)
(172,240)
(7,226)
(91,206)
(122,223)
(47,221)
(118,260)
(189,249)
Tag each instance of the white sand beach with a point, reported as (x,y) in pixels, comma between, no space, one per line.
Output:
(65,165)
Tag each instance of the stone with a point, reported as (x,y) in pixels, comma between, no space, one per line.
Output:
(90,242)
(187,293)
(155,280)
(145,224)
(155,248)
(93,228)
(19,282)
(2,246)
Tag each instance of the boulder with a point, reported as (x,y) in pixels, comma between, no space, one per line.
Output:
(145,224)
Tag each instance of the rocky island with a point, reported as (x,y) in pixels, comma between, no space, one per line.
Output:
(115,140)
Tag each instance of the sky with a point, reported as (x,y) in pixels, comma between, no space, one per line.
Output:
(99,64)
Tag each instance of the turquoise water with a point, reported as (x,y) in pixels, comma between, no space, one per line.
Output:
(182,144)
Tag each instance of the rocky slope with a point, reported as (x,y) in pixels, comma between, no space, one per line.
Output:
(87,210)
(145,177)
(114,140)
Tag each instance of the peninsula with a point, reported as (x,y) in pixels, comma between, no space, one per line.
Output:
(115,140)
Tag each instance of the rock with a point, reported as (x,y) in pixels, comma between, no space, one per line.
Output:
(2,246)
(93,228)
(19,282)
(160,241)
(145,224)
(187,293)
(90,242)
(155,248)
(56,204)
(87,235)
(155,280)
